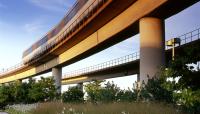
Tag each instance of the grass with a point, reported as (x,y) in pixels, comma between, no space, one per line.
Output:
(110,108)
(13,111)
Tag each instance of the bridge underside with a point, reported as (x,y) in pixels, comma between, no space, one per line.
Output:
(126,69)
(130,68)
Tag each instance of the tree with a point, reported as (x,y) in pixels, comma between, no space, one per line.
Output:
(185,81)
(3,96)
(156,90)
(93,90)
(74,94)
(43,90)
(126,96)
(20,92)
(109,92)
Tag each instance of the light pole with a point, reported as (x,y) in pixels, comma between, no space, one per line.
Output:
(172,43)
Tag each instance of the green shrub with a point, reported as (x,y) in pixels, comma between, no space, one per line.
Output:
(126,96)
(27,92)
(93,91)
(3,96)
(108,93)
(157,90)
(43,90)
(97,93)
(189,100)
(74,94)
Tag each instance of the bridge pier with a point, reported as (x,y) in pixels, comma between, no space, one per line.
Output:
(57,74)
(138,81)
(138,77)
(19,80)
(80,86)
(152,47)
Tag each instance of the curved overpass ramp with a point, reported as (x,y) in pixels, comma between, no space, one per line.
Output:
(112,22)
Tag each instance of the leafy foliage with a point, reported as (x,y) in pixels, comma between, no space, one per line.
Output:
(108,93)
(27,92)
(126,96)
(74,94)
(4,95)
(43,90)
(179,83)
(93,90)
(155,90)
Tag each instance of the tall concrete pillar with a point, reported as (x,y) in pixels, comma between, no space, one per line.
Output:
(137,82)
(138,77)
(152,47)
(57,74)
(80,86)
(6,84)
(19,80)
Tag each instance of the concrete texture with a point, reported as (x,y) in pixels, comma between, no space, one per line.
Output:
(57,74)
(152,47)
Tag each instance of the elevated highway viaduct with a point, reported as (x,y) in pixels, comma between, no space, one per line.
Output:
(123,66)
(93,29)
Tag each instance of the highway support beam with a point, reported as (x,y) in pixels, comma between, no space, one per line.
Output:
(57,74)
(152,47)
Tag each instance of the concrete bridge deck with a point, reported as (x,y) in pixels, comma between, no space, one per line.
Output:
(123,66)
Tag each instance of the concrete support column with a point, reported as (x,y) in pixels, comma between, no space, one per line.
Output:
(152,47)
(138,81)
(2,84)
(57,74)
(19,80)
(80,86)
(6,84)
(138,77)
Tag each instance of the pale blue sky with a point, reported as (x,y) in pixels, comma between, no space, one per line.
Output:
(22,22)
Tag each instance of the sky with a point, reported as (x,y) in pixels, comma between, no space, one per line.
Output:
(23,22)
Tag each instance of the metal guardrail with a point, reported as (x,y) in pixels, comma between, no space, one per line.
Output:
(188,37)
(13,68)
(105,65)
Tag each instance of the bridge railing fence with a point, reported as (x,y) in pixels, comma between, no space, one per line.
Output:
(104,65)
(15,67)
(189,37)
